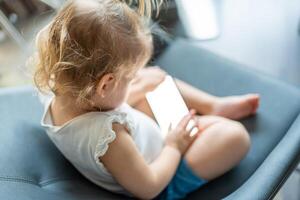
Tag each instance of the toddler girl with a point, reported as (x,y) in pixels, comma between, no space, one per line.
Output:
(90,62)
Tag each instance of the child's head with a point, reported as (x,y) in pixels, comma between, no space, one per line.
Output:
(91,48)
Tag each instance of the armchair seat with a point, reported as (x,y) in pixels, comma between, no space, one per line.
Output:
(32,168)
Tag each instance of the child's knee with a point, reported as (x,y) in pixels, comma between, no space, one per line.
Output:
(237,137)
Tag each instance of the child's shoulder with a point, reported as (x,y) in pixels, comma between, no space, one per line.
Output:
(91,123)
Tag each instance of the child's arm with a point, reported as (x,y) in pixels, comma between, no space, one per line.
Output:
(129,168)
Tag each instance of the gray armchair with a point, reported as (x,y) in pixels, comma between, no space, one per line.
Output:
(32,168)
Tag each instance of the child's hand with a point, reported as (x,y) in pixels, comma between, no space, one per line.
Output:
(146,80)
(149,78)
(179,137)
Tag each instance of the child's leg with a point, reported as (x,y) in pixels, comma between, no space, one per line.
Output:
(220,146)
(195,98)
(231,107)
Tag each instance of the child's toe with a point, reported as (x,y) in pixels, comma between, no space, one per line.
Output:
(255,104)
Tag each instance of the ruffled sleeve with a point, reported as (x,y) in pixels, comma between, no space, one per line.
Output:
(107,134)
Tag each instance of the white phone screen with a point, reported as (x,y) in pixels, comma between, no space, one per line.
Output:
(168,106)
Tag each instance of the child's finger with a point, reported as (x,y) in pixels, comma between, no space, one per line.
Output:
(195,132)
(185,120)
(188,132)
(194,136)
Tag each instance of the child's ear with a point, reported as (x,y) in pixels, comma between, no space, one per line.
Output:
(105,85)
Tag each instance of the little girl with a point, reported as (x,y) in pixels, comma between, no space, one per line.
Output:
(90,62)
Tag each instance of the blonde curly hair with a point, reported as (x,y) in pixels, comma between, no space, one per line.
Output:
(88,39)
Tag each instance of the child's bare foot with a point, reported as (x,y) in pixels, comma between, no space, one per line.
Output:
(236,107)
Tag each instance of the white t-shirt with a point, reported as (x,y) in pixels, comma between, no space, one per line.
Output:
(85,138)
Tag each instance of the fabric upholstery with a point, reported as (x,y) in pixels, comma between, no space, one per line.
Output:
(32,168)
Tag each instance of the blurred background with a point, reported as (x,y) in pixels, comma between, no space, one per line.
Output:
(20,20)
(263,35)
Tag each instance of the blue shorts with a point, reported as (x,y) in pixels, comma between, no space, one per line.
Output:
(184,182)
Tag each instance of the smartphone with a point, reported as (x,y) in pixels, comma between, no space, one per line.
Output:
(168,106)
